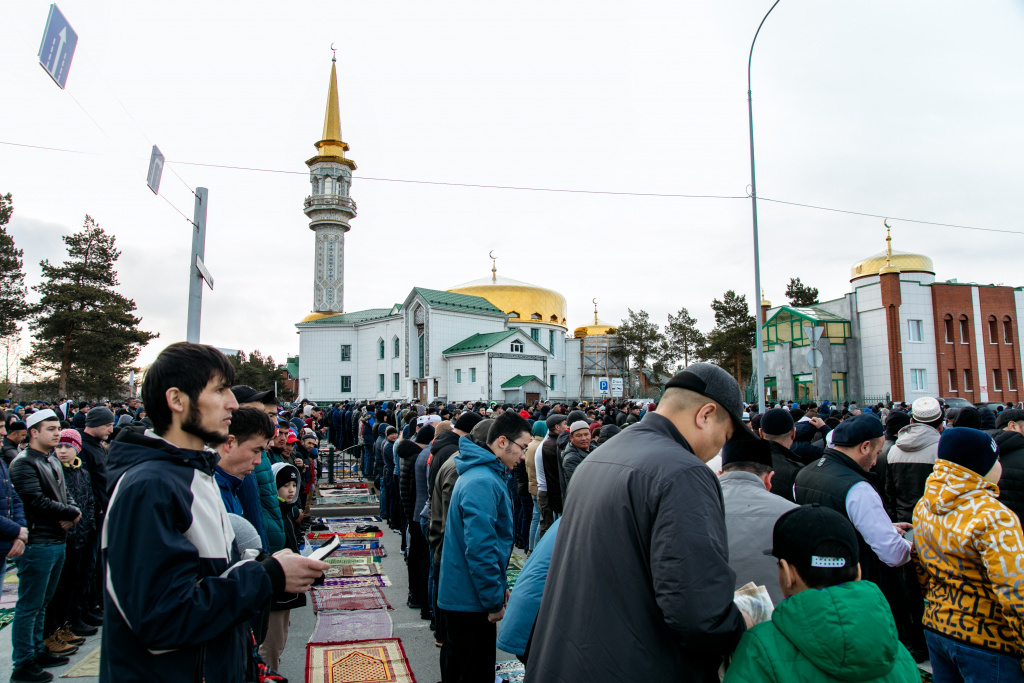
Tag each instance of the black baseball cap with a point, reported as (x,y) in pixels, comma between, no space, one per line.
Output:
(246,394)
(798,532)
(714,383)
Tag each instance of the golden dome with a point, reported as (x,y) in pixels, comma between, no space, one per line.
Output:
(527,303)
(907,263)
(317,316)
(599,327)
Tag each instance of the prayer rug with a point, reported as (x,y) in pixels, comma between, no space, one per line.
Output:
(372,552)
(345,547)
(511,576)
(371,569)
(351,520)
(513,671)
(345,535)
(350,561)
(357,582)
(343,627)
(376,661)
(341,599)
(6,616)
(88,667)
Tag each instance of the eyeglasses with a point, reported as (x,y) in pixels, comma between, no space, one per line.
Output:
(522,448)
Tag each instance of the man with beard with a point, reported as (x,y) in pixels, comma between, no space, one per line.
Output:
(178,593)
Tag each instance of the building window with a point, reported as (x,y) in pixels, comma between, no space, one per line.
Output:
(551,341)
(951,380)
(346,352)
(346,384)
(968,386)
(472,375)
(535,316)
(552,383)
(916,330)
(517,346)
(458,376)
(992,329)
(948,322)
(1011,380)
(965,330)
(1007,331)
(398,347)
(513,314)
(380,348)
(380,382)
(535,334)
(918,380)
(997,379)
(397,382)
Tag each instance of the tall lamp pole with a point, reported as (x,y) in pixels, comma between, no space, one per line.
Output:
(759,394)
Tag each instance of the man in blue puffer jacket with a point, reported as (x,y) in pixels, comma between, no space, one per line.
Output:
(272,529)
(477,544)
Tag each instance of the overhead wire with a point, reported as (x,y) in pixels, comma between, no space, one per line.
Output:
(665,195)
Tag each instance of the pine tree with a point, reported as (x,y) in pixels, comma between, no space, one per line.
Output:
(683,336)
(86,334)
(800,294)
(13,306)
(255,371)
(730,342)
(643,344)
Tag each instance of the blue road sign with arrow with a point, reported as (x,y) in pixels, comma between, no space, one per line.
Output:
(58,46)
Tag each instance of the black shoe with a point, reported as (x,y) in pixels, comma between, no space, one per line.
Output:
(47,660)
(91,619)
(81,629)
(30,673)
(413,605)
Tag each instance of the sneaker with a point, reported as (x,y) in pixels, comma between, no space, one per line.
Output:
(56,646)
(30,673)
(80,628)
(48,659)
(66,634)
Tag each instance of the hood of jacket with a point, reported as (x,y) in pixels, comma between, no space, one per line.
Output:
(951,486)
(407,449)
(443,440)
(474,454)
(917,437)
(847,631)
(131,448)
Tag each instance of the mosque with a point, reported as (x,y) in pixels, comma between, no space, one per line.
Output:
(898,334)
(492,339)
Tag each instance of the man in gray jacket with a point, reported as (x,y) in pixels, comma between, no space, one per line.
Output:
(751,512)
(640,587)
(576,451)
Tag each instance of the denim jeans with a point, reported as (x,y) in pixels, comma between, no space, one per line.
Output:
(953,662)
(535,524)
(38,574)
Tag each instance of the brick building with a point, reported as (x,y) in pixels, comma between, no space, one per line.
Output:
(900,334)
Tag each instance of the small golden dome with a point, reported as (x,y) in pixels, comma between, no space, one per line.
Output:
(525,302)
(906,263)
(317,316)
(596,329)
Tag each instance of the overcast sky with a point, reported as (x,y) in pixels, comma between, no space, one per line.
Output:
(897,107)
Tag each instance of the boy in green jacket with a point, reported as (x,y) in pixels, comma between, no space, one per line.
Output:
(830,626)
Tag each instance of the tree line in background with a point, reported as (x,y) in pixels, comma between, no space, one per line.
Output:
(728,344)
(85,335)
(261,374)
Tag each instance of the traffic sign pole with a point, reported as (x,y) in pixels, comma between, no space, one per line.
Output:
(197,271)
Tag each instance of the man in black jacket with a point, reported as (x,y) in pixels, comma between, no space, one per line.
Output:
(49,511)
(640,587)
(12,442)
(1009,435)
(777,427)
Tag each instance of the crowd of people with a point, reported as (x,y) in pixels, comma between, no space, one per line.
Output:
(882,536)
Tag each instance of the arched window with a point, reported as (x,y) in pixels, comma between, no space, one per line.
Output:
(993,330)
(380,348)
(397,346)
(1007,330)
(948,325)
(965,330)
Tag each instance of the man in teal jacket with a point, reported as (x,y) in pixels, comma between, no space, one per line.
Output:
(273,526)
(477,543)
(831,626)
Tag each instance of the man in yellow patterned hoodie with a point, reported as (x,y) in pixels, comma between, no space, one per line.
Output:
(971,550)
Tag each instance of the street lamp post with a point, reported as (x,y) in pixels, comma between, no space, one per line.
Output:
(759,393)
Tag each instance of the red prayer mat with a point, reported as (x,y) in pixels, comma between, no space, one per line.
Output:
(368,661)
(341,599)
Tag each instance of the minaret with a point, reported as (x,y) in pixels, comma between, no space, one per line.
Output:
(329,207)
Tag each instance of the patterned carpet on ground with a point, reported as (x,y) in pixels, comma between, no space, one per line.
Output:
(376,661)
(515,565)
(343,627)
(513,671)
(342,599)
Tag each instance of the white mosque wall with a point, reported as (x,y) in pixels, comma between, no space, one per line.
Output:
(916,304)
(320,364)
(874,342)
(504,369)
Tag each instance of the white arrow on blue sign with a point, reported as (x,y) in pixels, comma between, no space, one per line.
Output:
(58,46)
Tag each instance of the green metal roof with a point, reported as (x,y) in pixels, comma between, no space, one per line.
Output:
(479,341)
(459,302)
(815,315)
(355,317)
(520,380)
(293,367)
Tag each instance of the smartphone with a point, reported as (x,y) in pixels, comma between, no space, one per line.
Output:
(328,547)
